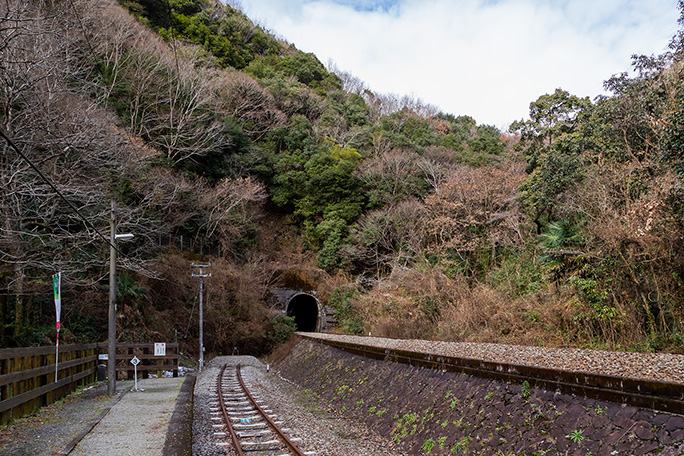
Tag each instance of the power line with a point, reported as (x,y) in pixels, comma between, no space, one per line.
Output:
(80,22)
(75,210)
(47,181)
(192,312)
(173,39)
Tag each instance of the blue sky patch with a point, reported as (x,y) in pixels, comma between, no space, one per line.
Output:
(368,5)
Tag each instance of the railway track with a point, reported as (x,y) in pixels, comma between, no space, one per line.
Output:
(250,427)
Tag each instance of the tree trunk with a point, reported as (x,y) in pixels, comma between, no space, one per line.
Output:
(3,317)
(19,301)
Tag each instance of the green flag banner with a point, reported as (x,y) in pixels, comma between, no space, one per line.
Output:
(56,286)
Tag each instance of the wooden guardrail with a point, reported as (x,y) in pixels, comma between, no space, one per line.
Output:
(27,375)
(148,361)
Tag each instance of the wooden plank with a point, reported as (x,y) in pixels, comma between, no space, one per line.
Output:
(24,352)
(30,395)
(127,346)
(152,367)
(49,369)
(51,396)
(143,357)
(148,354)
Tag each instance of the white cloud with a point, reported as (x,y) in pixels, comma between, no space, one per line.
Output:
(485,58)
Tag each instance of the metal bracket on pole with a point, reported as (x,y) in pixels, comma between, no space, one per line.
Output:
(201,274)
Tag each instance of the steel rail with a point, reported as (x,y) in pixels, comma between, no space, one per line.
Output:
(291,445)
(653,394)
(233,435)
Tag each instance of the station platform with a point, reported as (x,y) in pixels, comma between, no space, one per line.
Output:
(155,420)
(138,423)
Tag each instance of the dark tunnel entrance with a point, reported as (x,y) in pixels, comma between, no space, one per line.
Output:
(304,308)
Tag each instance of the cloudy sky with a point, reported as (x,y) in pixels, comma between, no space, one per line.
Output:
(485,58)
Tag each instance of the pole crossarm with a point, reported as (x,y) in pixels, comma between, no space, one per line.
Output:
(201,272)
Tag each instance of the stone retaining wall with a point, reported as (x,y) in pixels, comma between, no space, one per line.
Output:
(440,413)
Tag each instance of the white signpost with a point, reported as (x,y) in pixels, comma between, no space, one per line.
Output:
(135,361)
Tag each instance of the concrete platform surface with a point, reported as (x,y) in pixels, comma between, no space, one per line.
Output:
(138,423)
(156,421)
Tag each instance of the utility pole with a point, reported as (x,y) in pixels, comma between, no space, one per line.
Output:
(201,274)
(111,345)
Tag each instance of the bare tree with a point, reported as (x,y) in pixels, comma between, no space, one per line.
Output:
(231,206)
(250,104)
(168,97)
(25,65)
(394,171)
(388,237)
(77,146)
(350,83)
(385,104)
(475,207)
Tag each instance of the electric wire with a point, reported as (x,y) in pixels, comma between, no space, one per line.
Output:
(80,22)
(173,38)
(74,208)
(87,222)
(187,329)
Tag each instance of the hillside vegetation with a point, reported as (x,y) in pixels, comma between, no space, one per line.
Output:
(223,143)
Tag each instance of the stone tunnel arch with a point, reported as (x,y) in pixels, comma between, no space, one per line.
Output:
(306,310)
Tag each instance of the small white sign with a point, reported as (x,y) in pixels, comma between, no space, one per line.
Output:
(135,362)
(160,349)
(102,357)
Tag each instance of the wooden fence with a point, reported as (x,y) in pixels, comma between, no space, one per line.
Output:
(148,361)
(27,375)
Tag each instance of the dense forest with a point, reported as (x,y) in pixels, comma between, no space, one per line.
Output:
(222,143)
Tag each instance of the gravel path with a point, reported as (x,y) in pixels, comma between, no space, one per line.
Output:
(647,366)
(321,431)
(51,429)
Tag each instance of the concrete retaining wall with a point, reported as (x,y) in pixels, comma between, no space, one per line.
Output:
(428,411)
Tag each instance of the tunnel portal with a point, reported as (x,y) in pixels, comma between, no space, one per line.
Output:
(305,310)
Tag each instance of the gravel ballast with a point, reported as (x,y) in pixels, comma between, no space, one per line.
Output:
(647,366)
(322,432)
